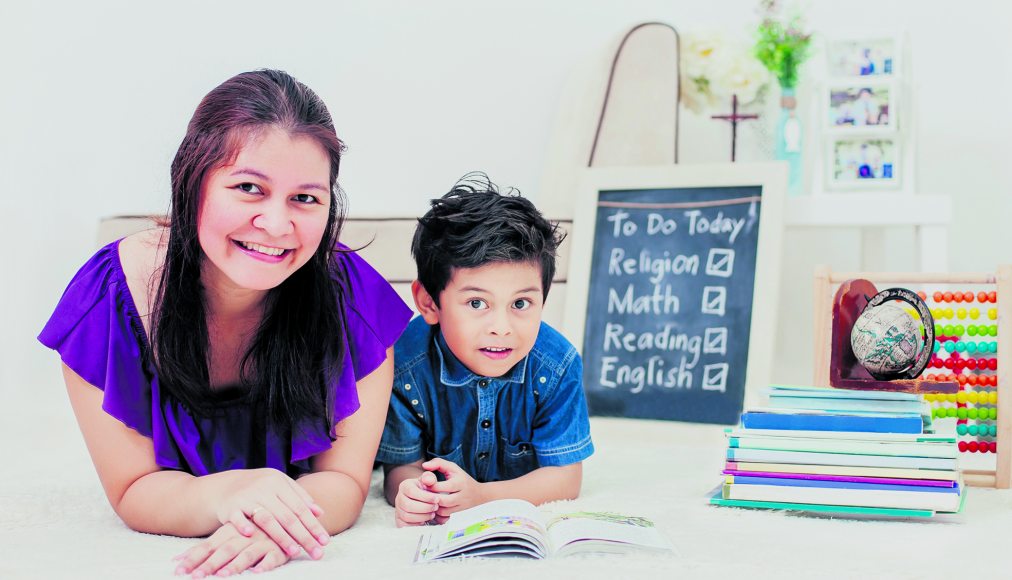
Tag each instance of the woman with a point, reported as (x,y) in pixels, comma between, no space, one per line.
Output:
(237,360)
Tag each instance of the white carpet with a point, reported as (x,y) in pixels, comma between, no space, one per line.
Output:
(56,523)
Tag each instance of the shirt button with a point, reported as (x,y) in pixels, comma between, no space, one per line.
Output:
(486,424)
(407,387)
(524,447)
(483,455)
(483,383)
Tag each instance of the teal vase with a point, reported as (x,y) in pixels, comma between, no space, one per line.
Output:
(789,135)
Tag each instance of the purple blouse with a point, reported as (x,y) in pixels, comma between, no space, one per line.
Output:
(98,332)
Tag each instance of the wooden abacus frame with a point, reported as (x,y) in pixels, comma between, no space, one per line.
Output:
(825,282)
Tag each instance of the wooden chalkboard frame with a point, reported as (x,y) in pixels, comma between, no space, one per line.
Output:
(771,177)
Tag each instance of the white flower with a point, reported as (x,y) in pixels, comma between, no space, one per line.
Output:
(714,68)
(738,73)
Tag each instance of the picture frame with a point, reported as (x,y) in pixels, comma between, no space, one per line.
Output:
(871,57)
(867,161)
(672,194)
(868,107)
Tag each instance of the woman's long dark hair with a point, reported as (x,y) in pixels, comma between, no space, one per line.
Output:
(298,345)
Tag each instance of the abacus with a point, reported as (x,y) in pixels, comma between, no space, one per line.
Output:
(968,377)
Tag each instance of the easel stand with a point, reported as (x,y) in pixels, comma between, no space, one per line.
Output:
(833,358)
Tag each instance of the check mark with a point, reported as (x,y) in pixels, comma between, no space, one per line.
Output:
(720,262)
(715,377)
(715,340)
(714,300)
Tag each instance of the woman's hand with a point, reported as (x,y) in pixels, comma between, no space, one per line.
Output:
(269,500)
(227,552)
(460,490)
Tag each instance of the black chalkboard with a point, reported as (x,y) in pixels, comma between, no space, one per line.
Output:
(670,302)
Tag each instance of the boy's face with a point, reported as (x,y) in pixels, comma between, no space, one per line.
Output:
(489,315)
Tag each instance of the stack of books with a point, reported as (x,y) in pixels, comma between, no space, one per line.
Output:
(841,451)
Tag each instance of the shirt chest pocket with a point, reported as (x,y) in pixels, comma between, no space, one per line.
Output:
(455,456)
(517,459)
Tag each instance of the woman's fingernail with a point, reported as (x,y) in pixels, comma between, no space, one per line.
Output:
(198,574)
(180,569)
(223,572)
(248,530)
(293,550)
(323,539)
(317,553)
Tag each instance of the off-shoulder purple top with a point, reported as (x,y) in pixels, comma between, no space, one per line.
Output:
(98,332)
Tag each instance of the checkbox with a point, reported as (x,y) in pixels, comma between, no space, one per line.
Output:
(720,263)
(715,377)
(715,340)
(714,300)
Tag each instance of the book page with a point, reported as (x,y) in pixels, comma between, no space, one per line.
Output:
(603,532)
(505,523)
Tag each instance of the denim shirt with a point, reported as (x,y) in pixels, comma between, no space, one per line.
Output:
(495,428)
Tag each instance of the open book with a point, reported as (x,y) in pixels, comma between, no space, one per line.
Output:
(513,527)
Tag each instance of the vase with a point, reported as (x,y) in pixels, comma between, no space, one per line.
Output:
(789,133)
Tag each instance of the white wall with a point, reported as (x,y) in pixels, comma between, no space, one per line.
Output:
(95,97)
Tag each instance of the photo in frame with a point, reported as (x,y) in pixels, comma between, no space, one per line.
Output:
(862,162)
(869,57)
(865,107)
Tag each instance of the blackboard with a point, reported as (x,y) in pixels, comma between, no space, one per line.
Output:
(669,303)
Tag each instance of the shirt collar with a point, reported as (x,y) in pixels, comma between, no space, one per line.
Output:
(453,373)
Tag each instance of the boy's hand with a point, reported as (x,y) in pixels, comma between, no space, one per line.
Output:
(460,489)
(416,503)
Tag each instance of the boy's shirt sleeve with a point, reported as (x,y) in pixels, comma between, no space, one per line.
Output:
(402,440)
(562,425)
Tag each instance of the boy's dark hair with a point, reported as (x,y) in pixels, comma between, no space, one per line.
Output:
(473,225)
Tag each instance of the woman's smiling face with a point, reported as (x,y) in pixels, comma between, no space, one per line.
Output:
(262,217)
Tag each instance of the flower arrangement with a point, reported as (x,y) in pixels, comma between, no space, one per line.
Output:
(781,45)
(714,68)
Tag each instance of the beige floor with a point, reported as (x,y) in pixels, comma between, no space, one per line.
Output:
(55,522)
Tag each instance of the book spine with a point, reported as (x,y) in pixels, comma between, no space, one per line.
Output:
(843,478)
(842,405)
(944,450)
(817,422)
(947,502)
(843,470)
(825,484)
(811,458)
(833,393)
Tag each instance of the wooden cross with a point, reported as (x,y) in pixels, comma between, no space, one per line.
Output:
(734,117)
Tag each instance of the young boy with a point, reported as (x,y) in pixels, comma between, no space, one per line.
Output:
(488,400)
